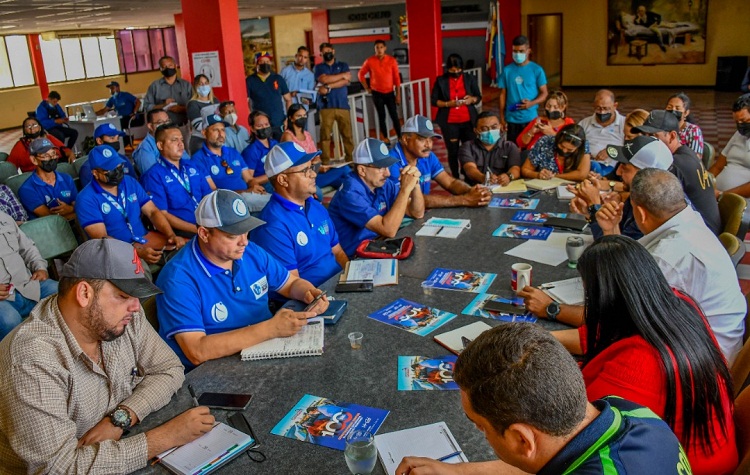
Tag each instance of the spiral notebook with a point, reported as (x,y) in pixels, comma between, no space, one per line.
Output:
(307,342)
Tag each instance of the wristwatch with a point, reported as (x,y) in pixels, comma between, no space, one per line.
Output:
(553,310)
(120,417)
(510,176)
(612,185)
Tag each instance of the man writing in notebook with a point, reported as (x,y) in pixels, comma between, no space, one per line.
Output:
(85,367)
(522,389)
(215,300)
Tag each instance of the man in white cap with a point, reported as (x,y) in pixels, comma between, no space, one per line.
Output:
(85,367)
(215,300)
(299,232)
(415,149)
(369,204)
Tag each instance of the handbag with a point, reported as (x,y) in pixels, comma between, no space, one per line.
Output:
(398,248)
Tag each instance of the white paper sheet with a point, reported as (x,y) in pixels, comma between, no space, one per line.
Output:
(550,252)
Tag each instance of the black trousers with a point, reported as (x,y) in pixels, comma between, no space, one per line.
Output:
(62,133)
(382,101)
(455,135)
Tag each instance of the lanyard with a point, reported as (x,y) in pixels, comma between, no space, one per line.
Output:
(184,180)
(121,209)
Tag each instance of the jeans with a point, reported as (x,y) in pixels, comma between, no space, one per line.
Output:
(381,102)
(13,313)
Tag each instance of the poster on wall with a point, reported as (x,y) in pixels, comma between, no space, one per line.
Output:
(207,63)
(656,32)
(256,37)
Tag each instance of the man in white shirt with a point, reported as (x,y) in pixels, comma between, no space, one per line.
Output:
(605,127)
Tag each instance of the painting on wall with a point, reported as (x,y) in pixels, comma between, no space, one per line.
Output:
(256,37)
(656,32)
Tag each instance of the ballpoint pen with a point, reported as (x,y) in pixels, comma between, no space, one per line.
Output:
(192,394)
(449,456)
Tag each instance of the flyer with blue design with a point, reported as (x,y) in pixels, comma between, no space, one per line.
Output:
(516,231)
(514,203)
(424,373)
(412,317)
(476,309)
(462,280)
(530,217)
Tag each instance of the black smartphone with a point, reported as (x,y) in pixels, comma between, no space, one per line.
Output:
(359,286)
(240,422)
(529,193)
(502,307)
(230,402)
(315,301)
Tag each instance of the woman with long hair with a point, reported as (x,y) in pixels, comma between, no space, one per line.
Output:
(651,344)
(563,156)
(690,134)
(32,129)
(555,117)
(202,103)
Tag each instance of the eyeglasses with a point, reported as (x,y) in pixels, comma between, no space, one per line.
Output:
(312,168)
(227,168)
(572,138)
(49,156)
(32,126)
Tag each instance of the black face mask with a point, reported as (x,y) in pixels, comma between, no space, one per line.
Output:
(677,114)
(563,153)
(35,135)
(744,129)
(114,145)
(168,72)
(554,115)
(327,57)
(264,133)
(301,122)
(264,68)
(115,176)
(48,165)
(455,74)
(602,118)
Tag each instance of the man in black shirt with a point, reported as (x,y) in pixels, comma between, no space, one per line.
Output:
(490,152)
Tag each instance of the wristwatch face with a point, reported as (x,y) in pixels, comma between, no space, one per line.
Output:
(552,310)
(612,185)
(121,418)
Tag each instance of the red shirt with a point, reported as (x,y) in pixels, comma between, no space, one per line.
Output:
(458,115)
(19,155)
(384,75)
(538,135)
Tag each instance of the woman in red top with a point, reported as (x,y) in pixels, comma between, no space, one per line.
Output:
(555,117)
(651,345)
(31,129)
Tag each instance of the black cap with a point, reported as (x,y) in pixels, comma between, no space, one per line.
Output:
(659,121)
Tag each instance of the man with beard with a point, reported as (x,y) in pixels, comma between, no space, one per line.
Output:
(47,191)
(265,90)
(87,366)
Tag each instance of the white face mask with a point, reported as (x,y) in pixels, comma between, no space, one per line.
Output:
(203,91)
(230,118)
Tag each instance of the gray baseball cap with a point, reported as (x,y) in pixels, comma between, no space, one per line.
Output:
(374,153)
(226,210)
(112,260)
(421,126)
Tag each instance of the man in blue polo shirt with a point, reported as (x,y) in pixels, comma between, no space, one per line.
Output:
(125,104)
(526,394)
(111,206)
(215,300)
(415,149)
(368,203)
(334,78)
(299,232)
(266,89)
(260,144)
(106,134)
(46,191)
(225,167)
(53,119)
(145,155)
(175,184)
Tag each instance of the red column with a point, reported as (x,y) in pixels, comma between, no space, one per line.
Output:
(214,25)
(425,39)
(510,15)
(37,63)
(319,34)
(182,50)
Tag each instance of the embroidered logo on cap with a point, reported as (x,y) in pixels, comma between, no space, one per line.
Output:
(219,312)
(383,149)
(239,207)
(107,153)
(110,126)
(428,124)
(612,152)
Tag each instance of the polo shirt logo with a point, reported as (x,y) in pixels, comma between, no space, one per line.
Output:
(260,287)
(214,170)
(192,171)
(302,238)
(381,206)
(236,163)
(133,198)
(64,194)
(106,208)
(47,198)
(168,179)
(324,229)
(519,80)
(219,312)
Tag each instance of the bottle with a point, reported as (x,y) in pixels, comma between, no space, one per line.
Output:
(487,179)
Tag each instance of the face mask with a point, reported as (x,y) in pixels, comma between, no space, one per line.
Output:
(114,94)
(564,154)
(115,145)
(168,72)
(327,57)
(264,68)
(263,133)
(603,117)
(203,91)
(519,58)
(677,114)
(554,115)
(454,74)
(48,165)
(301,122)
(744,129)
(231,118)
(33,135)
(115,177)
(490,137)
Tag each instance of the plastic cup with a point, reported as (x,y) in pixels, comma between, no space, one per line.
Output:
(355,339)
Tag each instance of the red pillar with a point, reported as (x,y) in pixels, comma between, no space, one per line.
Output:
(37,63)
(510,15)
(214,25)
(182,51)
(425,39)
(319,34)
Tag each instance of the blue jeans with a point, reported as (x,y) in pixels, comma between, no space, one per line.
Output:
(13,313)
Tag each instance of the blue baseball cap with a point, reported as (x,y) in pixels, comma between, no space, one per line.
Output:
(104,157)
(108,130)
(374,153)
(286,155)
(212,119)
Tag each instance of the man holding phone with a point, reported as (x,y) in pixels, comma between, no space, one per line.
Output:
(47,191)
(215,300)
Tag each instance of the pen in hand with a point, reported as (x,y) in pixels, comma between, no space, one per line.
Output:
(192,394)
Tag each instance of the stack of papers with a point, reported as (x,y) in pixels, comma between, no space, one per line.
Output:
(568,291)
(444,227)
(434,441)
(379,271)
(550,252)
(516,186)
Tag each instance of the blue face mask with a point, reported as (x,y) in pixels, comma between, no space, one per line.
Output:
(490,137)
(519,58)
(203,91)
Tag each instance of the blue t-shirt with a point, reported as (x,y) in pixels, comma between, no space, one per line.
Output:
(95,205)
(297,80)
(429,167)
(200,296)
(122,102)
(212,167)
(34,192)
(299,238)
(521,82)
(337,97)
(85,176)
(164,182)
(639,442)
(267,96)
(354,205)
(255,156)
